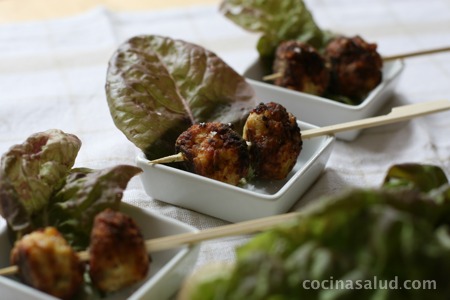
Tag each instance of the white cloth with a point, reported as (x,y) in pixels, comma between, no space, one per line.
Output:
(52,75)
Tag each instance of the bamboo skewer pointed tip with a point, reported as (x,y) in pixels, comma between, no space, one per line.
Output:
(169,159)
(272,77)
(11,270)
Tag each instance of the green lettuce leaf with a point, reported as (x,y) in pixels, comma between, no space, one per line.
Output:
(356,238)
(87,192)
(411,175)
(359,238)
(157,87)
(31,172)
(276,20)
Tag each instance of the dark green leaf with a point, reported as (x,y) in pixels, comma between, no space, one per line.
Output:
(157,87)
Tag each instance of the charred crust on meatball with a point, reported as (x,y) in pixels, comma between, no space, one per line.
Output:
(214,150)
(356,66)
(275,140)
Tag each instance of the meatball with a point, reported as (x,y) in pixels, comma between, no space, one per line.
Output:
(216,151)
(118,257)
(300,67)
(47,262)
(356,67)
(275,141)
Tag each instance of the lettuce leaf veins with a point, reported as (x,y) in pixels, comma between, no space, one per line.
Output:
(39,187)
(31,172)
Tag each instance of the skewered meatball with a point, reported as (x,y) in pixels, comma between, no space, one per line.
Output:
(216,151)
(300,67)
(275,140)
(48,263)
(355,67)
(118,257)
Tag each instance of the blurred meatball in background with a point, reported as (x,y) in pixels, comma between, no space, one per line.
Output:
(300,67)
(356,66)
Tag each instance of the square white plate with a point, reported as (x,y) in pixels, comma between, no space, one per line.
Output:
(167,269)
(322,111)
(256,199)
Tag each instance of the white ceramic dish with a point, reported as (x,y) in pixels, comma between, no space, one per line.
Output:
(322,111)
(167,269)
(234,203)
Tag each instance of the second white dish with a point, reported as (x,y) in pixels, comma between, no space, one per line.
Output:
(322,111)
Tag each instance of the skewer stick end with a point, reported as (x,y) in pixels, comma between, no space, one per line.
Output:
(169,159)
(272,77)
(11,270)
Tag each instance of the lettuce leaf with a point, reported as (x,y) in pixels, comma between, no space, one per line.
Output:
(39,188)
(31,172)
(424,177)
(87,192)
(157,87)
(276,20)
(387,244)
(356,238)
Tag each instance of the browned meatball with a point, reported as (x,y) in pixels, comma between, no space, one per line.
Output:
(118,257)
(356,67)
(216,151)
(275,140)
(48,263)
(300,67)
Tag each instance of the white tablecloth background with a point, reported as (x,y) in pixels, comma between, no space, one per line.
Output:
(52,75)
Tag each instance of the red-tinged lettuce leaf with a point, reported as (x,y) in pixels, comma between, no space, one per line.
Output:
(276,20)
(86,193)
(157,87)
(352,237)
(31,172)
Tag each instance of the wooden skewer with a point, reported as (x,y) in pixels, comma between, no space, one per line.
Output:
(174,158)
(169,159)
(398,114)
(240,228)
(11,270)
(416,53)
(274,76)
(190,238)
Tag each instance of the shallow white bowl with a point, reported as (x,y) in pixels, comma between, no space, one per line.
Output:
(322,111)
(235,203)
(167,269)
